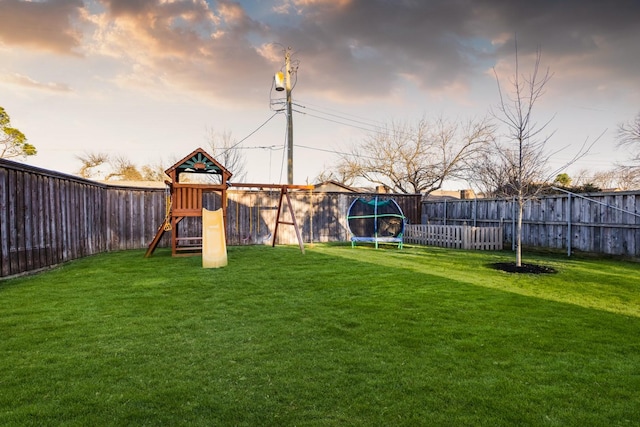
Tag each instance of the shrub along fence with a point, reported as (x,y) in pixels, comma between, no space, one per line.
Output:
(607,223)
(47,218)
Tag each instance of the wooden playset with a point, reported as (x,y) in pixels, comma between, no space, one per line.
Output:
(184,199)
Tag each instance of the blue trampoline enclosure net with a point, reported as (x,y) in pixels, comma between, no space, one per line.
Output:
(375,220)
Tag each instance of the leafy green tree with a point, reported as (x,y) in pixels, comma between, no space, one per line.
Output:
(563,179)
(13,143)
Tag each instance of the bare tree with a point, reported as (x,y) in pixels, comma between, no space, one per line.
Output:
(339,174)
(518,166)
(587,178)
(620,177)
(153,172)
(629,136)
(117,167)
(124,169)
(627,177)
(419,158)
(506,170)
(90,161)
(13,143)
(222,148)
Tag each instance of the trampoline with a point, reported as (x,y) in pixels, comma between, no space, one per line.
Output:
(375,221)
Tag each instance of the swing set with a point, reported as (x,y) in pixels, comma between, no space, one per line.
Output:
(184,199)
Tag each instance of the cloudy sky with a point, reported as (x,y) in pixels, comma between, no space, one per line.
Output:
(150,79)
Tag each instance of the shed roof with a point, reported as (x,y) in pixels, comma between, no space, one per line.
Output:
(330,186)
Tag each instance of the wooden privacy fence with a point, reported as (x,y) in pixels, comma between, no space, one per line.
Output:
(321,217)
(455,236)
(606,223)
(47,218)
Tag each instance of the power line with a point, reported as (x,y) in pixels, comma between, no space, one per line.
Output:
(378,123)
(340,153)
(324,150)
(247,137)
(378,129)
(261,147)
(336,115)
(339,122)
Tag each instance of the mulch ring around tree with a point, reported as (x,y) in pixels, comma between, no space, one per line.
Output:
(510,267)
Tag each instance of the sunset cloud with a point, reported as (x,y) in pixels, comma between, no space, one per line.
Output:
(30,83)
(217,47)
(406,56)
(43,25)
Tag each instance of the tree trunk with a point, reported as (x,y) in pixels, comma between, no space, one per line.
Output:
(518,235)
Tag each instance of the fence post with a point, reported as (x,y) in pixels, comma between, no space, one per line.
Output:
(445,212)
(569,232)
(464,237)
(469,237)
(475,210)
(310,216)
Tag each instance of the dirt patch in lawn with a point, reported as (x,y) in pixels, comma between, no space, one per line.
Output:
(510,267)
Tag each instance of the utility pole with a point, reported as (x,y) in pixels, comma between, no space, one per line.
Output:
(287,76)
(283,82)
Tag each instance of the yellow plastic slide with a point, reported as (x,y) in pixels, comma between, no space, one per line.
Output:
(214,245)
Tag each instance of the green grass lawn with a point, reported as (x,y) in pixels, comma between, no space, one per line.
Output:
(338,336)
